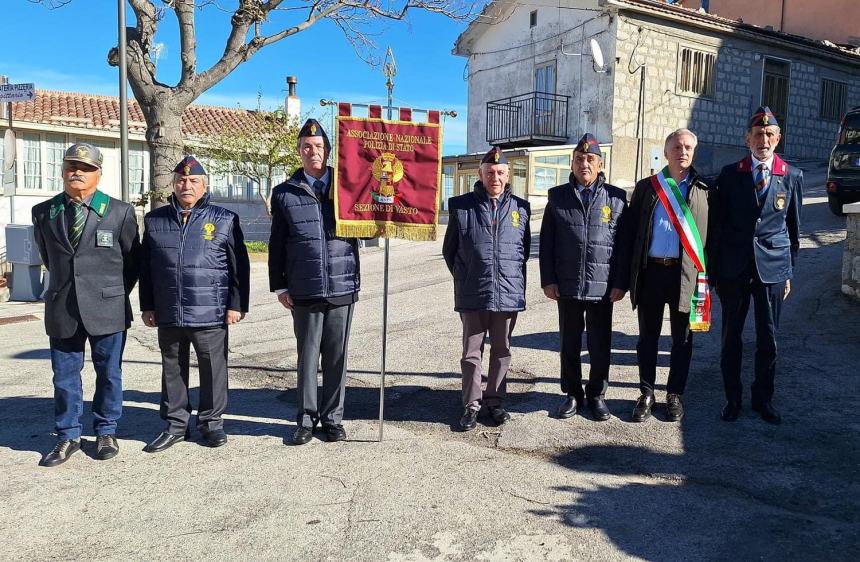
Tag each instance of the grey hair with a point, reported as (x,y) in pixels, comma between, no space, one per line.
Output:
(205,179)
(681,132)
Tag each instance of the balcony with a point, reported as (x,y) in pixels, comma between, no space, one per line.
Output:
(533,119)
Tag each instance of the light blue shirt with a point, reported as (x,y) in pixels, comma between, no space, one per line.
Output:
(310,180)
(664,240)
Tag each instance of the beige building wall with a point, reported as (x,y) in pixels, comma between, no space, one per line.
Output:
(835,20)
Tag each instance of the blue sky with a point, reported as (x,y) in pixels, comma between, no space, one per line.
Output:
(66,49)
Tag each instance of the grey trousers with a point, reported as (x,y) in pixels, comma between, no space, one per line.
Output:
(321,330)
(210,344)
(500,326)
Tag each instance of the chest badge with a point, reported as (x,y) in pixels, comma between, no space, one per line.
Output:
(606,213)
(208,229)
(779,201)
(515,219)
(104,238)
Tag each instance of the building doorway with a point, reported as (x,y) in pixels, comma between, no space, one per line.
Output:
(774,93)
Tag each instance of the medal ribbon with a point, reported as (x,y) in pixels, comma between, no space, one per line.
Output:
(682,219)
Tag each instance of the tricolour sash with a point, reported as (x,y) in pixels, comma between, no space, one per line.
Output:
(679,213)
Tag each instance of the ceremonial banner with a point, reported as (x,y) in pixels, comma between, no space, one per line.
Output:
(387,175)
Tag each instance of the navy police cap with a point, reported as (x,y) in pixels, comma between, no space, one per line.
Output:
(494,156)
(588,144)
(189,166)
(763,117)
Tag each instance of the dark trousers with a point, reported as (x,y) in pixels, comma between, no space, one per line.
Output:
(322,330)
(210,345)
(735,302)
(67,360)
(661,286)
(499,326)
(596,319)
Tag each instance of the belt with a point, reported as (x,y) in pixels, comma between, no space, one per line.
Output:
(664,261)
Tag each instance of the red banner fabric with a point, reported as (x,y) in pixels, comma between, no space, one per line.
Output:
(387,178)
(405,114)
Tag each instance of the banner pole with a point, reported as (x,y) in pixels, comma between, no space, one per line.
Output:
(390,70)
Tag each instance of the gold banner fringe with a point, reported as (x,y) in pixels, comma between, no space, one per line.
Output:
(413,232)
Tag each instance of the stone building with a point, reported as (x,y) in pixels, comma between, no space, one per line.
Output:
(534,82)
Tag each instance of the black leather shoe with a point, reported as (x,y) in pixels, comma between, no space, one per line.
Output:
(164,441)
(599,409)
(768,413)
(61,452)
(674,408)
(642,411)
(731,411)
(215,438)
(106,447)
(567,409)
(302,435)
(469,420)
(334,433)
(499,414)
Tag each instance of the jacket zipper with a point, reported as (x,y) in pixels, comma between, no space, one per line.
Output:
(585,241)
(182,232)
(495,226)
(323,253)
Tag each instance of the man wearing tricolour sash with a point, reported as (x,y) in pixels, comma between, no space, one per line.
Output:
(666,231)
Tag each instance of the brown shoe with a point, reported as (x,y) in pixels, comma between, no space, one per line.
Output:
(642,411)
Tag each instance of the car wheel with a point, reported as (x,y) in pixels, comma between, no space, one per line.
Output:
(835,205)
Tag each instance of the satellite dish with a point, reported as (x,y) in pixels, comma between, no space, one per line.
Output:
(596,53)
(9,149)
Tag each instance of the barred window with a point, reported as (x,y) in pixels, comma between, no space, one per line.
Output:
(834,99)
(696,72)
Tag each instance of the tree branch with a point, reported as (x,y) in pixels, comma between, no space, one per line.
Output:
(187,36)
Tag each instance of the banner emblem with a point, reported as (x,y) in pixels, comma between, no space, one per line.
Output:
(387,175)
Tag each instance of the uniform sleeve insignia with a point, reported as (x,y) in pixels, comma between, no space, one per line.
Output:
(606,213)
(208,229)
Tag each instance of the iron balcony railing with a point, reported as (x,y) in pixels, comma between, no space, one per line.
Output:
(527,119)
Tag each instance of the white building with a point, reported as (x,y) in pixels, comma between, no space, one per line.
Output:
(533,82)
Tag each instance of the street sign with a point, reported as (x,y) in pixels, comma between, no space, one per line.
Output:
(17,92)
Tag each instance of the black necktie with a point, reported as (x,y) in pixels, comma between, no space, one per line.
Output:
(586,196)
(319,189)
(76,229)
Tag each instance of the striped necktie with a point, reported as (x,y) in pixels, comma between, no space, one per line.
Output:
(184,215)
(761,181)
(76,230)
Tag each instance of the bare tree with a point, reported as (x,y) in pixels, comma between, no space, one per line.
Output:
(260,148)
(254,24)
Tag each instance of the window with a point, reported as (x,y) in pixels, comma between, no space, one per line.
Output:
(54,150)
(240,187)
(545,78)
(135,169)
(448,172)
(834,99)
(32,161)
(533,18)
(696,72)
(550,171)
(849,133)
(519,174)
(218,185)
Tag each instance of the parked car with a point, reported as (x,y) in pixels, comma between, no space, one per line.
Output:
(843,173)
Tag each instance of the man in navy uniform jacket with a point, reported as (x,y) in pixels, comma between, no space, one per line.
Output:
(89,243)
(579,270)
(756,217)
(316,276)
(486,246)
(194,282)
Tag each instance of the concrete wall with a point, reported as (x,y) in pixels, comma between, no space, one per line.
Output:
(719,122)
(834,20)
(505,57)
(851,255)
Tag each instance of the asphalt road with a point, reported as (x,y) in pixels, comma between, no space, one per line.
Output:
(535,489)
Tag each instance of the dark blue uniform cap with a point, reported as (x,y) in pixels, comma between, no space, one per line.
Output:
(588,144)
(189,166)
(494,156)
(312,128)
(763,117)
